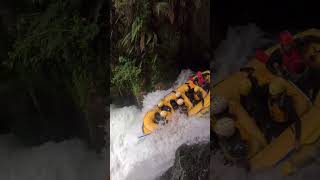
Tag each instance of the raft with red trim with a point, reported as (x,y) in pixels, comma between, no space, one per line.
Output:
(149,123)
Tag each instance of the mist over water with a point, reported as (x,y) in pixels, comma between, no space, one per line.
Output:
(236,50)
(152,156)
(68,160)
(230,56)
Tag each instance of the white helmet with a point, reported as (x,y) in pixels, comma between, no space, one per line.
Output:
(180,102)
(224,127)
(163,114)
(178,94)
(219,104)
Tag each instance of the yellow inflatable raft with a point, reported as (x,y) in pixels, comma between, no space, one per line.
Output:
(280,152)
(198,109)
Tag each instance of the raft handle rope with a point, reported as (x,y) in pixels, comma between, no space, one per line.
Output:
(293,150)
(143,136)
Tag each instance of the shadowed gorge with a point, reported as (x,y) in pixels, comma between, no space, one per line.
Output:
(54,67)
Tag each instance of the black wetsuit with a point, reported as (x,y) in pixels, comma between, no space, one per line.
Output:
(200,96)
(174,104)
(286,105)
(165,108)
(158,119)
(256,105)
(206,87)
(311,83)
(190,94)
(183,108)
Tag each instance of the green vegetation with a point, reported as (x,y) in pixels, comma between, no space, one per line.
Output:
(57,61)
(148,38)
(58,39)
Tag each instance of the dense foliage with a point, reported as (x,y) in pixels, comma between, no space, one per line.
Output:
(60,39)
(57,59)
(147,40)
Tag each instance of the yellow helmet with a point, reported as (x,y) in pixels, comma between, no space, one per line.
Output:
(277,86)
(225,127)
(196,89)
(245,87)
(178,94)
(186,88)
(160,104)
(163,113)
(180,102)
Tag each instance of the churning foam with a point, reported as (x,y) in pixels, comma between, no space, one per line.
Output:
(149,158)
(68,160)
(236,50)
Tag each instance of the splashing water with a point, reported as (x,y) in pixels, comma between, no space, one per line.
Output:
(149,158)
(229,57)
(68,160)
(235,51)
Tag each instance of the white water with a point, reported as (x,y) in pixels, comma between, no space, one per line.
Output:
(235,51)
(69,160)
(149,158)
(230,56)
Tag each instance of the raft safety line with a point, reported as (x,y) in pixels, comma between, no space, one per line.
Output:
(285,157)
(143,136)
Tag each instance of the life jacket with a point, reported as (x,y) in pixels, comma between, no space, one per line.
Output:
(292,61)
(262,56)
(276,112)
(200,78)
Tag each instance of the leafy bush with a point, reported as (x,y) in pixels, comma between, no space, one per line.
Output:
(126,74)
(57,42)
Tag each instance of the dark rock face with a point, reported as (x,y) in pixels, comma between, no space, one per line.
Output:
(191,163)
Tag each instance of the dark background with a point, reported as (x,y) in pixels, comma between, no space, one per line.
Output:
(270,16)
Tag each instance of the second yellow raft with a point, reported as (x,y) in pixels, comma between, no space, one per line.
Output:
(280,152)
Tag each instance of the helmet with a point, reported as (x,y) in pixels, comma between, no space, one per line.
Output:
(219,104)
(286,38)
(196,89)
(180,101)
(160,104)
(225,127)
(245,87)
(178,94)
(277,86)
(163,113)
(207,78)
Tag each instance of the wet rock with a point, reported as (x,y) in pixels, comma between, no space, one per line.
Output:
(191,163)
